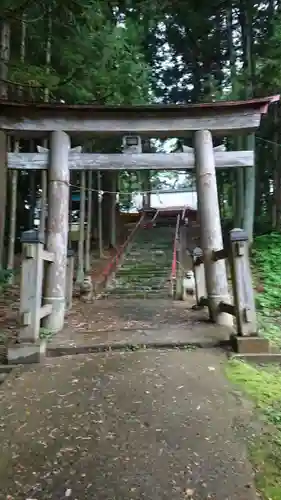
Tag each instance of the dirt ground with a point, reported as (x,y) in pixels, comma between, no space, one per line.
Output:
(10,300)
(113,322)
(128,425)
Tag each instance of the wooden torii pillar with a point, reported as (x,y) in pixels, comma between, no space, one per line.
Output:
(210,226)
(57,229)
(210,223)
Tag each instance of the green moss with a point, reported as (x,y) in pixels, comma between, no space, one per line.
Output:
(263,385)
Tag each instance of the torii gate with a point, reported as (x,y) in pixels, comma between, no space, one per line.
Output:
(201,120)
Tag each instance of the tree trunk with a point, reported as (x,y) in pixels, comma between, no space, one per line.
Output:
(245,18)
(239,173)
(4,58)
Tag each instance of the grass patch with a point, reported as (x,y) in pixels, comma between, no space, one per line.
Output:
(5,275)
(266,259)
(263,385)
(269,328)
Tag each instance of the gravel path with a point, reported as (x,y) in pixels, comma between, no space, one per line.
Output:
(148,424)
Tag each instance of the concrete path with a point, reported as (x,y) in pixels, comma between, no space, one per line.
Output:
(115,323)
(149,424)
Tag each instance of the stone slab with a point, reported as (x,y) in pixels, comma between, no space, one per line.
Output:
(250,345)
(162,337)
(58,351)
(7,368)
(26,353)
(258,358)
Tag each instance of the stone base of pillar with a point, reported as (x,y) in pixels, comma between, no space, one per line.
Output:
(27,353)
(250,345)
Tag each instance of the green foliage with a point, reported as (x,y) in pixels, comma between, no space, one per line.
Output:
(45,334)
(92,57)
(107,64)
(267,259)
(5,275)
(263,385)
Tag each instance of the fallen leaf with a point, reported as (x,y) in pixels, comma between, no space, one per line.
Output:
(188,493)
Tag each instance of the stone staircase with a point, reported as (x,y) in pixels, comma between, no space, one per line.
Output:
(146,266)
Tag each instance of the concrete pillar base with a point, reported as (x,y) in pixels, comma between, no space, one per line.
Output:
(250,345)
(27,353)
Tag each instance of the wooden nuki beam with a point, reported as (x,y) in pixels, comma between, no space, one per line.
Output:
(143,161)
(77,149)
(188,149)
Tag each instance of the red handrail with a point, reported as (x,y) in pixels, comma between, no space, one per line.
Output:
(115,259)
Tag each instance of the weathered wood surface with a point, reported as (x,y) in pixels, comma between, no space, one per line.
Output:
(199,275)
(3,191)
(81,242)
(244,298)
(188,149)
(43,149)
(57,230)
(31,292)
(170,125)
(89,221)
(143,161)
(210,227)
(13,218)
(170,122)
(152,120)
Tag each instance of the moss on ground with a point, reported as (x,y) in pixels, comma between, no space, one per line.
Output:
(263,385)
(266,259)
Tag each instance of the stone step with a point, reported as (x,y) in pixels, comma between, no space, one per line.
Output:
(136,277)
(148,256)
(145,268)
(140,276)
(150,261)
(142,271)
(123,287)
(138,295)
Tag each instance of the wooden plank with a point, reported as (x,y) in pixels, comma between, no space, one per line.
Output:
(143,161)
(161,123)
(47,256)
(219,254)
(45,310)
(227,308)
(187,149)
(41,149)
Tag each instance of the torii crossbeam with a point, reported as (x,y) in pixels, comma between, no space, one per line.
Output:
(142,161)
